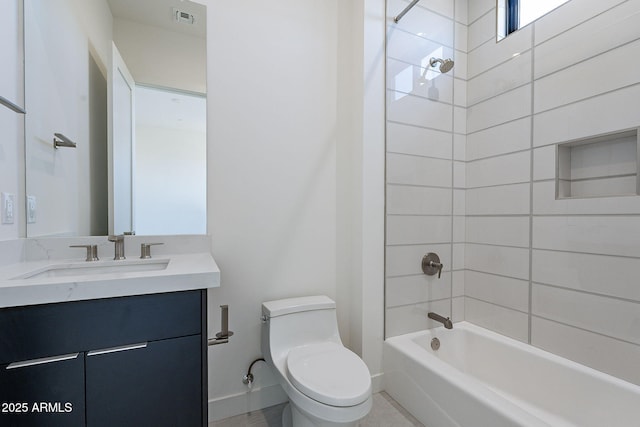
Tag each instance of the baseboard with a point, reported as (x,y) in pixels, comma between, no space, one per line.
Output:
(241,403)
(377,383)
(257,399)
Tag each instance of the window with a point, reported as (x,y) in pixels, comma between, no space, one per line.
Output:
(515,14)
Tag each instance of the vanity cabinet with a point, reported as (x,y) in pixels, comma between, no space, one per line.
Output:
(129,361)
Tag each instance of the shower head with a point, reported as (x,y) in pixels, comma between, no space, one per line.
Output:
(445,64)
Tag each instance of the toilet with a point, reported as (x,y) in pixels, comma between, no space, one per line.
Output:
(327,384)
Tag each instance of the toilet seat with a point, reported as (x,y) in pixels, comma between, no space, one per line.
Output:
(329,373)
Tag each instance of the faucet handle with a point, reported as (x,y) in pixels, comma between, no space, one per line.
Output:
(92,251)
(145,249)
(431,263)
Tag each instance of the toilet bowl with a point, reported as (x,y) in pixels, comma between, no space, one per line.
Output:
(327,384)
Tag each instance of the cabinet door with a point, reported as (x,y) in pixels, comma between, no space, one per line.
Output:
(43,392)
(155,384)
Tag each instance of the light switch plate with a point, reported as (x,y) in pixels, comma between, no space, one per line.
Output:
(31,209)
(8,204)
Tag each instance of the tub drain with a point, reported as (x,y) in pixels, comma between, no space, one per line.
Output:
(435,344)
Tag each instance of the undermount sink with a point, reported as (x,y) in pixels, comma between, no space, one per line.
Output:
(97,267)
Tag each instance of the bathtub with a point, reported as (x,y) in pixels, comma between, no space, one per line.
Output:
(478,378)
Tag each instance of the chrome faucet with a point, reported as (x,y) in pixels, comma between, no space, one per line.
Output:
(119,246)
(444,320)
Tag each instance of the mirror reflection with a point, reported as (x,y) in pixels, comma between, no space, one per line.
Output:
(125,80)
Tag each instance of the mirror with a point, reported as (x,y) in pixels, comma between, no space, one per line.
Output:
(125,82)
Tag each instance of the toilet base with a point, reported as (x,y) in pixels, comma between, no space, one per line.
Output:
(292,416)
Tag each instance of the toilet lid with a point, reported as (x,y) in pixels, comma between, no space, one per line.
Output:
(329,373)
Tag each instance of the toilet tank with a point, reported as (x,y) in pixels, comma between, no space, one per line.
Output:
(294,322)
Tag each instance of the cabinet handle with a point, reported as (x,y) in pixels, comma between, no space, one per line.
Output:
(117,349)
(41,361)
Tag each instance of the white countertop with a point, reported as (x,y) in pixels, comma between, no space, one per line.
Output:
(184,271)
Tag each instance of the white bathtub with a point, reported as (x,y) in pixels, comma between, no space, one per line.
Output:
(482,379)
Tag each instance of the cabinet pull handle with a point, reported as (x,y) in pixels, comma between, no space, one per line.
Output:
(117,349)
(41,361)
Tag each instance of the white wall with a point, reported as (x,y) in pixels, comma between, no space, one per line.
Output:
(425,163)
(560,274)
(278,184)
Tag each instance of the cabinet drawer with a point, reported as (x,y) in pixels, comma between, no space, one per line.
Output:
(44,330)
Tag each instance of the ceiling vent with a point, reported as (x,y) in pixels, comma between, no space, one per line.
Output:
(182,17)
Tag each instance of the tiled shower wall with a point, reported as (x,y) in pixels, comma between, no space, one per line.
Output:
(425,163)
(563,275)
(471,175)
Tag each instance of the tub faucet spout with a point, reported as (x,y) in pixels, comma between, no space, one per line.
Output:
(444,320)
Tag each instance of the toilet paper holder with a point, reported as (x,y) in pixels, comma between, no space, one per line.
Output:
(222,337)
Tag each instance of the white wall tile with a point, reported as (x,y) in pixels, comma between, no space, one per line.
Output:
(589,39)
(403,229)
(459,147)
(544,163)
(477,8)
(414,49)
(502,320)
(460,40)
(459,174)
(407,260)
(562,87)
(617,156)
(617,358)
(461,11)
(418,200)
(492,53)
(585,272)
(545,203)
(443,7)
(604,187)
(569,15)
(506,231)
(506,169)
(458,256)
(511,262)
(409,139)
(412,318)
(460,67)
(458,283)
(419,81)
(417,170)
(459,229)
(423,22)
(418,111)
(504,291)
(415,289)
(502,139)
(458,307)
(503,108)
(460,120)
(501,200)
(459,202)
(482,30)
(460,93)
(608,235)
(587,311)
(512,73)
(605,113)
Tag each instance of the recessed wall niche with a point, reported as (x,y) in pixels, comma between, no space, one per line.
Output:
(601,166)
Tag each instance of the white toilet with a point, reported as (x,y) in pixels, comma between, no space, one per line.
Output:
(327,384)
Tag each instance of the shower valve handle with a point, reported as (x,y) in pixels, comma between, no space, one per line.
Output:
(431,264)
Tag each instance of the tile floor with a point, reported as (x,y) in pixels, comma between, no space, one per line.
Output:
(386,412)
